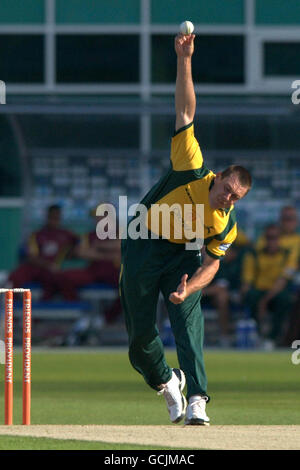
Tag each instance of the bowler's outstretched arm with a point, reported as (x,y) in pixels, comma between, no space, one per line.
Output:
(200,279)
(185,99)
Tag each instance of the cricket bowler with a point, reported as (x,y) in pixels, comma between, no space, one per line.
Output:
(163,264)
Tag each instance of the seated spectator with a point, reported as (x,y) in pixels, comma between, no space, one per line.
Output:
(266,275)
(289,237)
(104,258)
(45,252)
(227,281)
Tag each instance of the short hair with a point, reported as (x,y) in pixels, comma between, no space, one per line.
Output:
(52,208)
(242,173)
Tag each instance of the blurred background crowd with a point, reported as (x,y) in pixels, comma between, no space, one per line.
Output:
(89,115)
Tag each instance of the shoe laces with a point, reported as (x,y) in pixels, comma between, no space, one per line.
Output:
(201,402)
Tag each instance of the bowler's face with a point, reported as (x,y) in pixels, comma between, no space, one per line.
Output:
(226,191)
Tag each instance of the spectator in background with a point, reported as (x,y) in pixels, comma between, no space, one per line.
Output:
(289,237)
(104,257)
(45,252)
(227,284)
(266,275)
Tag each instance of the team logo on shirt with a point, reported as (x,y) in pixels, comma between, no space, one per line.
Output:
(50,248)
(224,246)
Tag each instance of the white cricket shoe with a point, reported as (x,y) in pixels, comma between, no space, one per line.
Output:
(195,413)
(172,392)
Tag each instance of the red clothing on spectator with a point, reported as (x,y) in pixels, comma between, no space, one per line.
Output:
(102,271)
(50,245)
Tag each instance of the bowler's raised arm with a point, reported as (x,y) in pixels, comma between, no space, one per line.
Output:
(185,99)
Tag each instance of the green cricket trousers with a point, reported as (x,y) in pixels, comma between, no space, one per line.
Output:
(148,267)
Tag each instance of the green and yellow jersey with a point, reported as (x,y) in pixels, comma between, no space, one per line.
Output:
(262,269)
(289,242)
(188,182)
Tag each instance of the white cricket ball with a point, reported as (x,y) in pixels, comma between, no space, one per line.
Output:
(186,27)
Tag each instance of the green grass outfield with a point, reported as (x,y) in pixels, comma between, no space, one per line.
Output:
(100,387)
(41,443)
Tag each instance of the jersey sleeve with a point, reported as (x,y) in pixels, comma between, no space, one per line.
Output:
(217,248)
(185,150)
(248,268)
(261,242)
(290,265)
(33,248)
(84,241)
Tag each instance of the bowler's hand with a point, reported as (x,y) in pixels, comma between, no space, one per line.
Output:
(184,45)
(180,295)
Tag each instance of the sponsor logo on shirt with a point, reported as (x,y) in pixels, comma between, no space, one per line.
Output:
(225,246)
